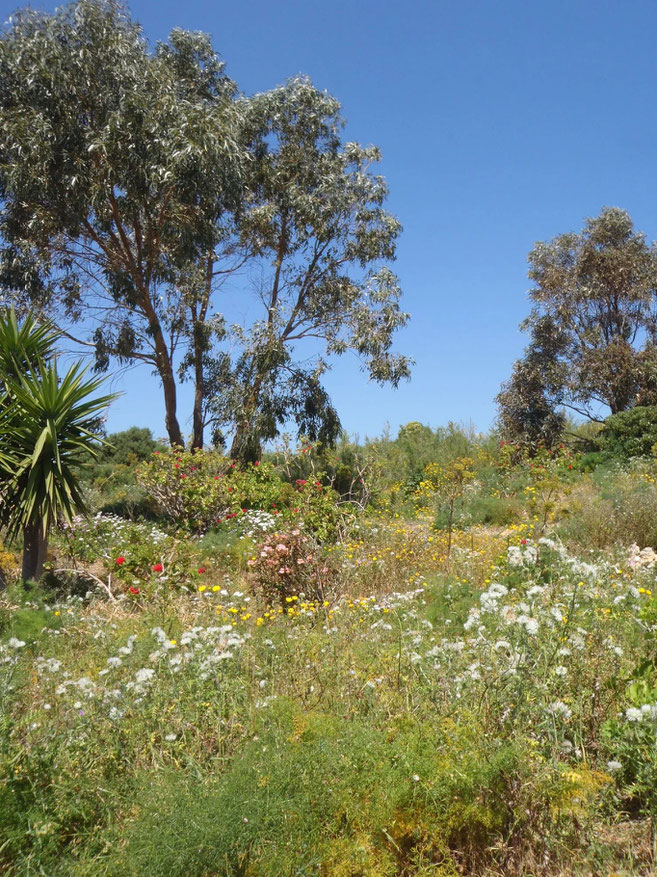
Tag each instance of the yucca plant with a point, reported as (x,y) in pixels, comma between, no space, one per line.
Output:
(23,346)
(48,426)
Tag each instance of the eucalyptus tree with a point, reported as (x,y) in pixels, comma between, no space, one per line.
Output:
(48,428)
(315,228)
(118,168)
(132,183)
(593,329)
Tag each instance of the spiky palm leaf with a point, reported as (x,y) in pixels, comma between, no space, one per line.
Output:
(46,429)
(23,345)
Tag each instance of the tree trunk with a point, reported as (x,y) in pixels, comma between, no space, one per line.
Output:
(35,548)
(197,425)
(246,447)
(165,371)
(170,418)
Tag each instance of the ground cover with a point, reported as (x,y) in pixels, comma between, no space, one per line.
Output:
(496,717)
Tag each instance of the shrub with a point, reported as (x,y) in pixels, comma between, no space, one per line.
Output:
(320,794)
(631,433)
(622,509)
(287,564)
(200,489)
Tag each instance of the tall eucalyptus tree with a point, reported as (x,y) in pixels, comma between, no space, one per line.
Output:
(133,182)
(317,228)
(117,166)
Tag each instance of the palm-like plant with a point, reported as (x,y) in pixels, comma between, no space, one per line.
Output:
(48,426)
(23,345)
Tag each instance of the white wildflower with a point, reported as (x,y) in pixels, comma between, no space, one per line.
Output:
(559,708)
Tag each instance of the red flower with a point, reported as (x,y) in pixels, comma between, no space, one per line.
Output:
(120,560)
(133,590)
(257,463)
(523,541)
(201,570)
(176,465)
(301,481)
(157,567)
(230,489)
(182,475)
(156,452)
(216,478)
(243,511)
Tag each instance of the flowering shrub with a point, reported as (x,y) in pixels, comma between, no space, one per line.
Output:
(202,489)
(287,564)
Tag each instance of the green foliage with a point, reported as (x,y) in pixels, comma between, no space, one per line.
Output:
(498,511)
(46,431)
(202,489)
(614,507)
(129,447)
(591,328)
(48,427)
(142,179)
(631,433)
(315,791)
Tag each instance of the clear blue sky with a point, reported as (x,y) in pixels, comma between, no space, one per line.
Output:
(501,123)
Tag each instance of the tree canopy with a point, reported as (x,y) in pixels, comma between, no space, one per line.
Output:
(593,329)
(134,182)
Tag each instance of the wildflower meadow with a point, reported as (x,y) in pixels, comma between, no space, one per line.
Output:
(279,681)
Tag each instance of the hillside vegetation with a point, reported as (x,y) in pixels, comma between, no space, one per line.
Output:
(428,655)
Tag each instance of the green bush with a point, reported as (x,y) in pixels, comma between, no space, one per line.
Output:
(198,490)
(498,511)
(318,794)
(631,433)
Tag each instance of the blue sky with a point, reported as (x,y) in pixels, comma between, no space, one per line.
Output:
(500,123)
